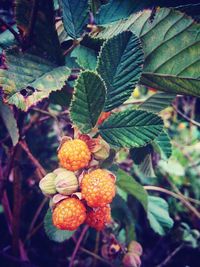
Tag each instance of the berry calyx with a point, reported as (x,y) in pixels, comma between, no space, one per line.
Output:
(98,188)
(99,217)
(74,155)
(69,214)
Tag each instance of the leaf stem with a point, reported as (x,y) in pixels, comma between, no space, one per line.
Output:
(78,245)
(14,33)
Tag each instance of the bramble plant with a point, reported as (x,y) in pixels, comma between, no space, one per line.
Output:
(104,71)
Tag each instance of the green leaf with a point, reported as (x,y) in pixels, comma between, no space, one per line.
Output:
(44,35)
(157,102)
(75,16)
(145,168)
(7,38)
(10,122)
(117,9)
(85,57)
(29,79)
(172,167)
(158,215)
(54,233)
(163,145)
(129,185)
(88,100)
(131,128)
(172,59)
(120,65)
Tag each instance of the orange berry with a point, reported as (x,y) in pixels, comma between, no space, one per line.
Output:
(98,188)
(69,214)
(74,155)
(99,217)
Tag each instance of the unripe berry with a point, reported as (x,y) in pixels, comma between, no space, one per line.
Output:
(66,183)
(47,184)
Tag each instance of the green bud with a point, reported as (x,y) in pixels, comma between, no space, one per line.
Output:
(47,184)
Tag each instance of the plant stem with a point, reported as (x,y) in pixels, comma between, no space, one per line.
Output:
(78,245)
(96,249)
(95,256)
(180,197)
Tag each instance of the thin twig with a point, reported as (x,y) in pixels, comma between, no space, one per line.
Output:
(95,256)
(23,144)
(78,245)
(186,117)
(14,33)
(170,256)
(181,198)
(96,249)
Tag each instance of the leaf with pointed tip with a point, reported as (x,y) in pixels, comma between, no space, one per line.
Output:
(172,59)
(120,65)
(10,122)
(130,186)
(163,145)
(88,100)
(157,102)
(29,79)
(54,233)
(158,215)
(75,16)
(131,128)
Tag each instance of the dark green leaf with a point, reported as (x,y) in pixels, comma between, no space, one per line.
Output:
(138,153)
(75,16)
(129,185)
(44,35)
(157,102)
(120,65)
(10,122)
(29,79)
(54,233)
(145,168)
(131,128)
(172,59)
(158,215)
(88,100)
(85,57)
(163,145)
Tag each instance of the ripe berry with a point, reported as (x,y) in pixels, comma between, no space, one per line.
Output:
(74,155)
(98,188)
(69,214)
(99,218)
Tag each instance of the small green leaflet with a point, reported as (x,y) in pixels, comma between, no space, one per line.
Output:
(163,145)
(120,65)
(75,16)
(85,57)
(131,128)
(158,215)
(54,233)
(88,100)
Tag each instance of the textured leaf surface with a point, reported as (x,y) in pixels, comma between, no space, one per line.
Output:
(157,102)
(54,233)
(145,168)
(117,9)
(131,128)
(75,16)
(172,58)
(10,122)
(30,79)
(88,100)
(44,35)
(85,57)
(120,65)
(163,145)
(158,215)
(130,186)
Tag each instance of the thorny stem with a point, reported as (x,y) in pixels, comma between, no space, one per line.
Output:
(42,172)
(78,245)
(14,33)
(180,197)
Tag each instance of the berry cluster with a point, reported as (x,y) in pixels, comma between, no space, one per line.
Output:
(80,191)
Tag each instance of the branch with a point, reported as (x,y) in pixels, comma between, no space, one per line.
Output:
(14,33)
(180,197)
(78,245)
(196,123)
